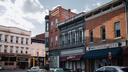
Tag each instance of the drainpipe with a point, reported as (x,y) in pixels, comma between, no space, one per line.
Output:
(126,18)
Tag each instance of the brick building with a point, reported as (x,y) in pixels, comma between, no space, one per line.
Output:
(38,50)
(55,16)
(106,35)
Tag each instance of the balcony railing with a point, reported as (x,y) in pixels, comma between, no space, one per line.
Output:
(72,44)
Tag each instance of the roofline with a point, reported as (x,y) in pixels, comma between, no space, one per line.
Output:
(102,6)
(72,18)
(15,27)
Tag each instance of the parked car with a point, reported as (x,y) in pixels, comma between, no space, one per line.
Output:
(112,69)
(56,70)
(1,68)
(34,69)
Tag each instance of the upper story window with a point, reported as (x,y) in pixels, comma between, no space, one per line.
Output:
(56,21)
(26,50)
(47,26)
(117,29)
(17,39)
(17,49)
(103,32)
(56,38)
(11,49)
(52,23)
(80,35)
(22,50)
(5,49)
(26,40)
(91,36)
(0,37)
(12,39)
(51,42)
(73,37)
(22,39)
(6,38)
(0,47)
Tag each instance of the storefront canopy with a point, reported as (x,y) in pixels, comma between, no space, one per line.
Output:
(103,53)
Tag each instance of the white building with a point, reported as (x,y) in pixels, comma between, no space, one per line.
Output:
(14,47)
(37,52)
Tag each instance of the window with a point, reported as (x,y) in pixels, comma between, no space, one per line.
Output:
(22,40)
(11,49)
(22,50)
(0,47)
(26,50)
(56,38)
(117,29)
(56,21)
(80,36)
(73,37)
(51,42)
(5,49)
(0,37)
(6,37)
(51,23)
(26,40)
(103,32)
(17,39)
(11,39)
(91,36)
(47,26)
(17,49)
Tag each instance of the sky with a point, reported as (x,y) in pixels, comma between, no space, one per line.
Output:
(29,14)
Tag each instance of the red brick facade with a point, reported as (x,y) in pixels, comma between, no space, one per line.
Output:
(108,21)
(59,14)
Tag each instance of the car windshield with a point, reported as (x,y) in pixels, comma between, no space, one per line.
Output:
(59,71)
(125,69)
(35,67)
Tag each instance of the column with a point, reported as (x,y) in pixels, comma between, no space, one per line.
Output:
(9,38)
(2,48)
(8,49)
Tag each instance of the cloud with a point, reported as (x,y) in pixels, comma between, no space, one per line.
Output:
(87,8)
(91,7)
(75,10)
(23,14)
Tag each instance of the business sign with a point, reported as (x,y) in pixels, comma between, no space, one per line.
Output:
(110,45)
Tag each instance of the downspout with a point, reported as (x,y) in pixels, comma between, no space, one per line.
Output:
(126,19)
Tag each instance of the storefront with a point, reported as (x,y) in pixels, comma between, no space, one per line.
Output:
(23,61)
(54,59)
(72,58)
(8,61)
(72,62)
(125,56)
(103,57)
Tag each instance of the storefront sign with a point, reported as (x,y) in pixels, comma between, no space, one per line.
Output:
(72,58)
(111,45)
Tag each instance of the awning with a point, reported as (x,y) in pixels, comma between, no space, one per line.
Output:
(103,53)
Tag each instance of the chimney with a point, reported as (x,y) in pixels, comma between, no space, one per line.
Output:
(69,10)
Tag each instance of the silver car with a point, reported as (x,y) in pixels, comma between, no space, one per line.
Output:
(35,69)
(112,69)
(56,70)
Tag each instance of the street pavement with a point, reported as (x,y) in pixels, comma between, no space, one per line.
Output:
(20,70)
